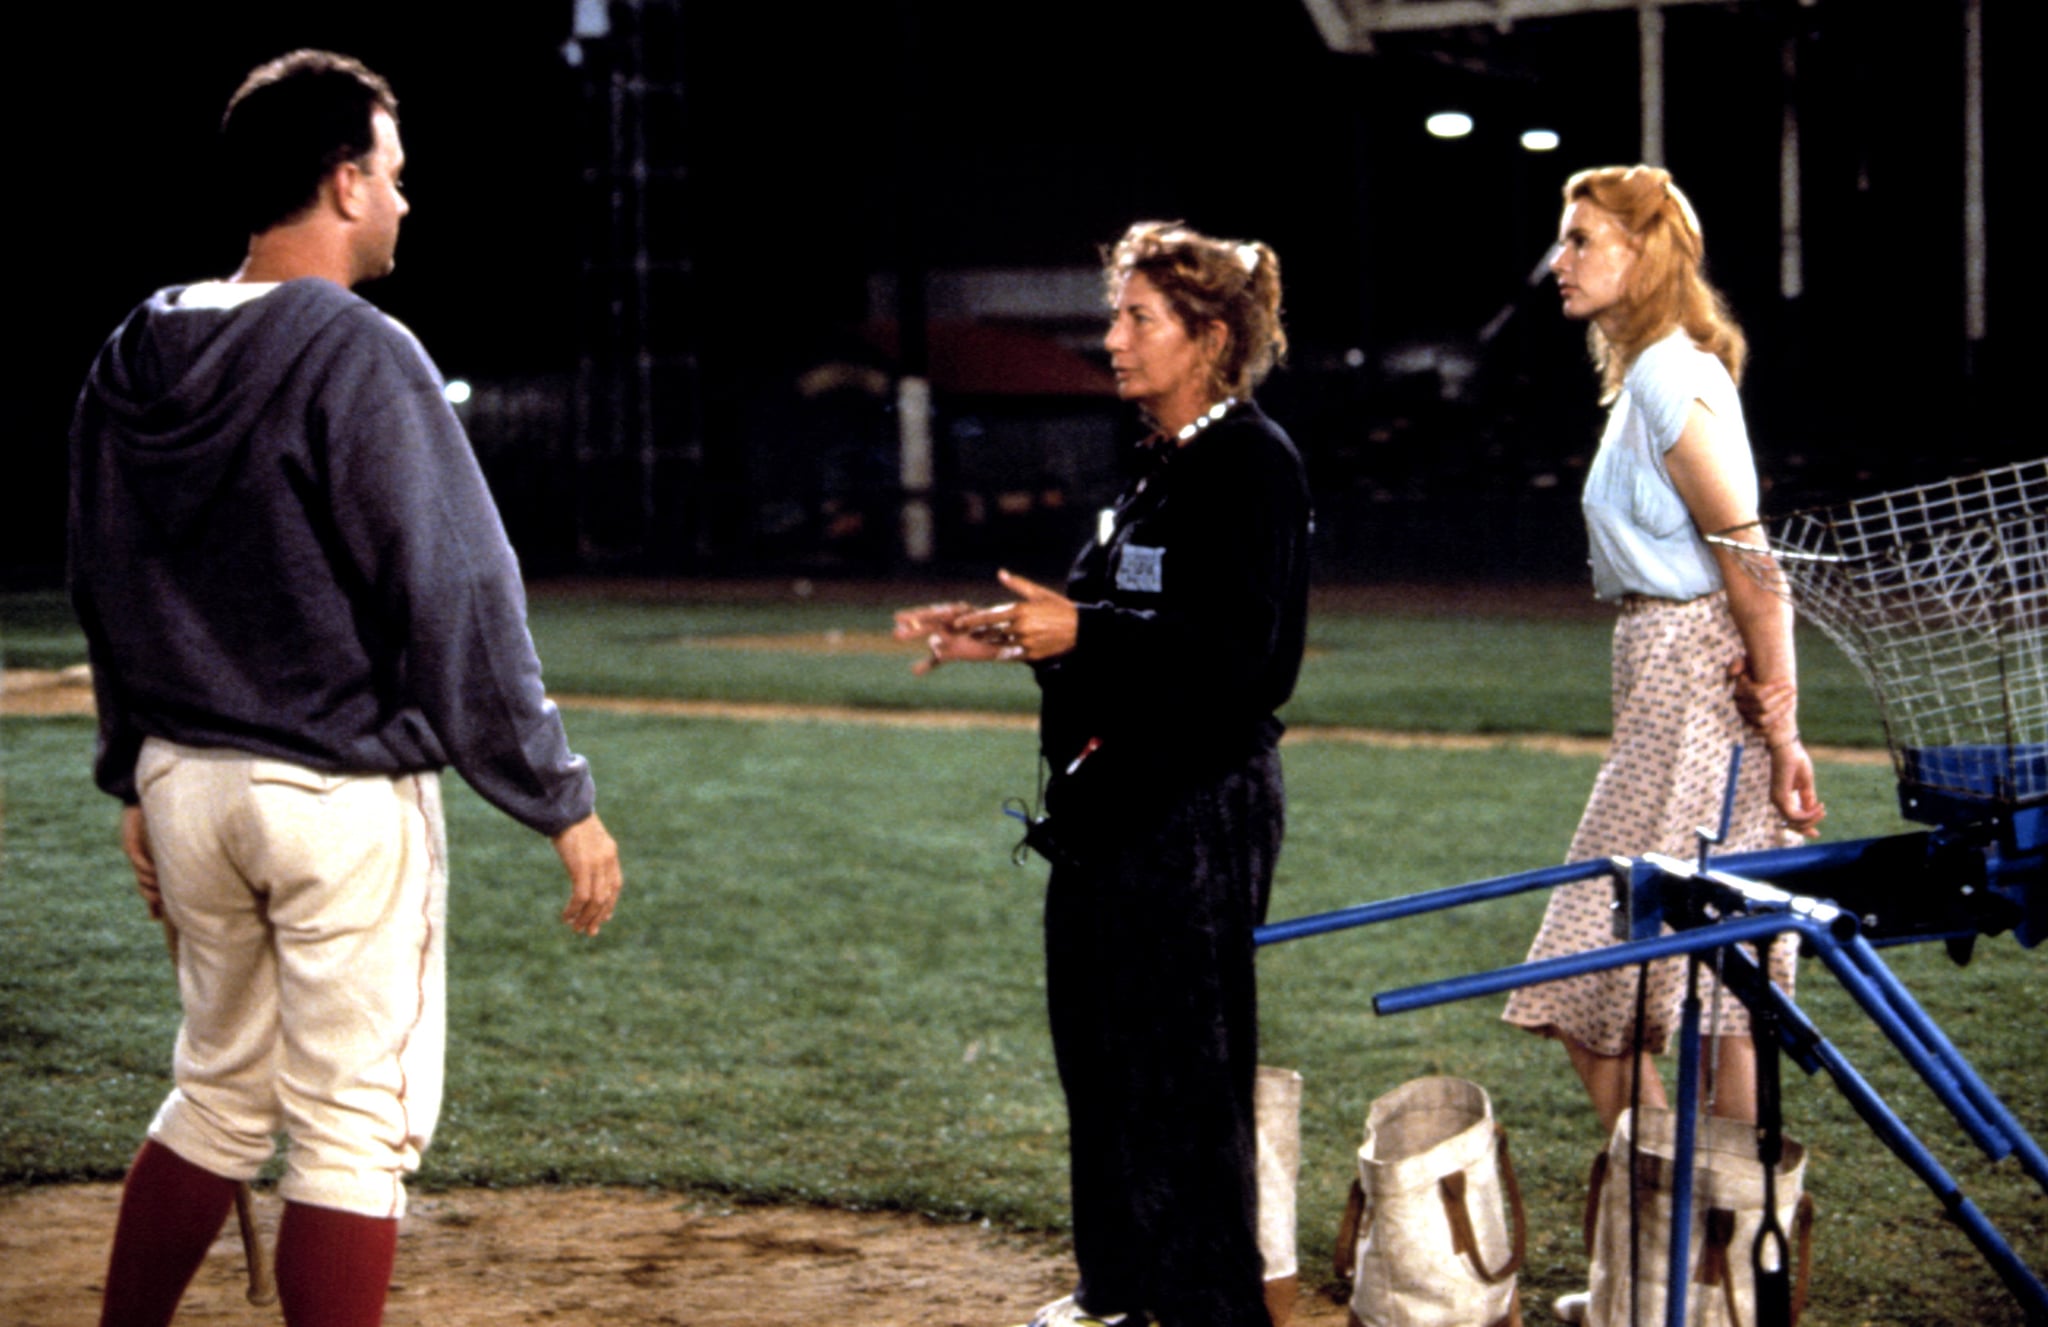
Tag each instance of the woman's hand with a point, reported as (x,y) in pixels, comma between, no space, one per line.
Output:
(1705,466)
(1792,790)
(938,626)
(1041,624)
(1767,707)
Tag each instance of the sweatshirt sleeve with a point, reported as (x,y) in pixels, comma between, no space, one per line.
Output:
(418,523)
(118,744)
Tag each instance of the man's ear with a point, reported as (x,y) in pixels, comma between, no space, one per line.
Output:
(343,189)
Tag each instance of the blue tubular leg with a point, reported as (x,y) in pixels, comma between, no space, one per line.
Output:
(1892,1131)
(1970,1086)
(1678,1269)
(1938,1073)
(1887,1002)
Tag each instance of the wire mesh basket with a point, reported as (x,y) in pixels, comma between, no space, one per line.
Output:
(1939,596)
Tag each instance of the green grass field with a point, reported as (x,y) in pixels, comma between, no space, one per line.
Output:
(824,985)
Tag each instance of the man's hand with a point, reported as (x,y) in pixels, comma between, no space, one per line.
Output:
(592,858)
(135,843)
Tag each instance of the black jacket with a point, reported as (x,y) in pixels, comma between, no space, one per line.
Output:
(1192,613)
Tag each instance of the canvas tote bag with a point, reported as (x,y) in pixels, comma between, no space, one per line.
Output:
(1727,1213)
(1427,1236)
(1276,1109)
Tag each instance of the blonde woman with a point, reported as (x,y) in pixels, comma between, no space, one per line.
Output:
(1673,465)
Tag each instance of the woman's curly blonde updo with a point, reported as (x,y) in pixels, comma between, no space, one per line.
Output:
(1205,280)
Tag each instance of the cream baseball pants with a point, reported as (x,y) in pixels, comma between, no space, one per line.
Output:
(311,913)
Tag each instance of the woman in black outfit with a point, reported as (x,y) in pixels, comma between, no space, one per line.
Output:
(1160,668)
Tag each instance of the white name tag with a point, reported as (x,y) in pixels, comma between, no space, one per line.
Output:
(1141,569)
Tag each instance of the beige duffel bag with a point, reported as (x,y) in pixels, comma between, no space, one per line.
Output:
(1427,1240)
(1727,1214)
(1276,1107)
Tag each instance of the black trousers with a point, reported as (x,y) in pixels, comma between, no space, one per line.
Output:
(1154,1012)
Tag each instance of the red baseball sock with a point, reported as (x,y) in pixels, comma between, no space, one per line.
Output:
(333,1268)
(170,1212)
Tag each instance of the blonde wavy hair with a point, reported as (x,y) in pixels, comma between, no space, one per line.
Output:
(1204,280)
(1667,287)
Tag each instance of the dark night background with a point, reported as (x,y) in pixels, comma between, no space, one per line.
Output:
(808,147)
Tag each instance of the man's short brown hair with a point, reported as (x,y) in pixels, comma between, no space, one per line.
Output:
(293,120)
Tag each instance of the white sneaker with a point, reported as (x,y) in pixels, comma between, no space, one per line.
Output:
(1573,1307)
(1065,1312)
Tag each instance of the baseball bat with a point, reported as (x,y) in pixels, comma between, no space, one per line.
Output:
(262,1280)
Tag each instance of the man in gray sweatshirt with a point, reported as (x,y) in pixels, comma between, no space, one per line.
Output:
(300,606)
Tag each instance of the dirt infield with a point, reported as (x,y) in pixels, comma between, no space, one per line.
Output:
(591,1258)
(33,691)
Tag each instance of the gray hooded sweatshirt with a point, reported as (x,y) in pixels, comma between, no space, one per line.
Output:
(281,543)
